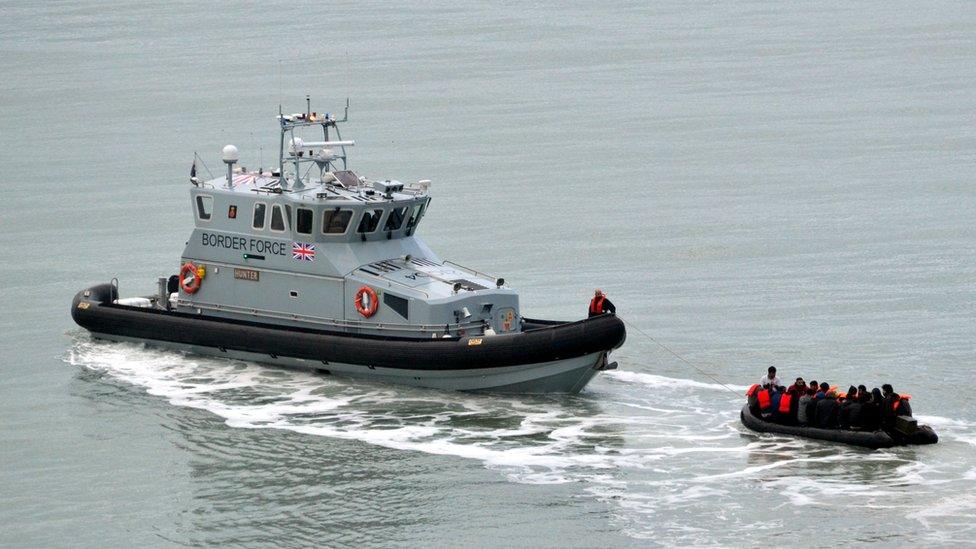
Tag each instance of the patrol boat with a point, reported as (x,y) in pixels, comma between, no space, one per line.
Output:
(314,266)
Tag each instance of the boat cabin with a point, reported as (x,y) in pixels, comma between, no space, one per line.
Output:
(315,244)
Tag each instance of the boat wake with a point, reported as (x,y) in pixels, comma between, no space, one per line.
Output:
(660,451)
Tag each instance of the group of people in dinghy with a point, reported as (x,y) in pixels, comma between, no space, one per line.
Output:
(819,405)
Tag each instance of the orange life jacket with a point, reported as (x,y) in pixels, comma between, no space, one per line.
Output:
(897,403)
(764,399)
(596,305)
(752,390)
(784,403)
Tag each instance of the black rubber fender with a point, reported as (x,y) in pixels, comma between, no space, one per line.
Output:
(94,310)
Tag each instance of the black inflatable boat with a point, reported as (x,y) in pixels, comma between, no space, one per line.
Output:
(866,439)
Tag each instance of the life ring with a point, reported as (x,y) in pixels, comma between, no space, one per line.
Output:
(374,303)
(189,279)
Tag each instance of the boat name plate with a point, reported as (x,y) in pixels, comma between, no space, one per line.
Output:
(247,274)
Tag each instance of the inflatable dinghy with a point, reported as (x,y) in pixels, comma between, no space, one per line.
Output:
(865,439)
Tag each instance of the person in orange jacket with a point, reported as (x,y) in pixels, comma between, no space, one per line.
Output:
(600,304)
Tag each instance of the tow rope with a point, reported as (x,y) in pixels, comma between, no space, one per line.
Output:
(677,356)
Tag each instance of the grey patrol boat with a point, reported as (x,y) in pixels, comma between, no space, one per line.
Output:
(311,265)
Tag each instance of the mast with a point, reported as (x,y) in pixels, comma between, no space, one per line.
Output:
(302,152)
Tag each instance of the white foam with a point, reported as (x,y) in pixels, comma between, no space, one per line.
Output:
(653,380)
(938,421)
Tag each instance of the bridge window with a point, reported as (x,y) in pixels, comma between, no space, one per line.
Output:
(204,207)
(260,209)
(304,219)
(277,218)
(396,219)
(416,214)
(370,221)
(335,221)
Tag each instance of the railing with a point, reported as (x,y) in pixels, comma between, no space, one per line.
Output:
(340,323)
(475,271)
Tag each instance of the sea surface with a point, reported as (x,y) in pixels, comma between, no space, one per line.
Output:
(752,183)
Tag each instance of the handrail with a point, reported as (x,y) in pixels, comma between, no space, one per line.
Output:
(264,269)
(475,271)
(330,321)
(390,281)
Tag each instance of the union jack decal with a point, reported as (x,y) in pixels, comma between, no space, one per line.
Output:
(302,251)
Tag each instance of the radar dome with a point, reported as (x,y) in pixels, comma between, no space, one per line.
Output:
(230,154)
(296,144)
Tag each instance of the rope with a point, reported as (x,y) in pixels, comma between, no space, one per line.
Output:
(679,357)
(197,157)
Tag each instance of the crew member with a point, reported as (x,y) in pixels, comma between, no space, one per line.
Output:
(600,304)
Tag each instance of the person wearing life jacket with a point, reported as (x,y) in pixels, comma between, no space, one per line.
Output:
(600,304)
(894,405)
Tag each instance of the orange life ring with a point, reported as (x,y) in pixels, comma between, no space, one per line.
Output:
(374,303)
(189,284)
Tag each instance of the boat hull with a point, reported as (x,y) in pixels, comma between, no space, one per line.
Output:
(550,358)
(866,439)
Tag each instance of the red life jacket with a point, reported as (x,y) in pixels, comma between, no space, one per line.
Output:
(784,403)
(596,305)
(764,400)
(752,390)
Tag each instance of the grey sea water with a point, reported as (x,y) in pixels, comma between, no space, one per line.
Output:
(752,183)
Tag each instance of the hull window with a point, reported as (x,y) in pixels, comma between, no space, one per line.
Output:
(396,303)
(260,209)
(204,207)
(335,221)
(304,221)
